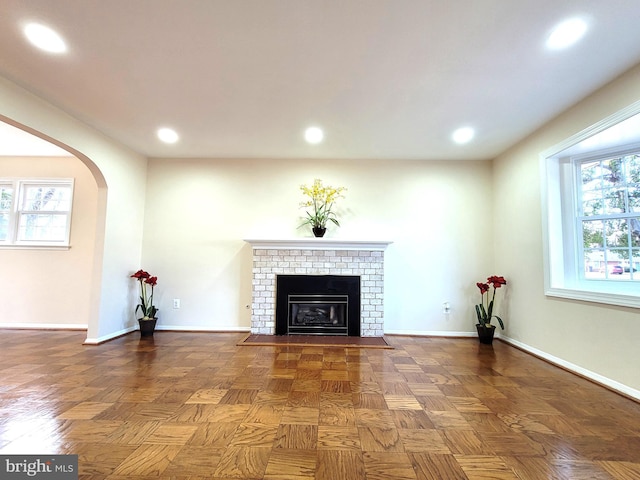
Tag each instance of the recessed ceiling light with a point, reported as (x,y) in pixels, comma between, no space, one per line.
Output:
(168,135)
(566,33)
(313,135)
(463,135)
(45,38)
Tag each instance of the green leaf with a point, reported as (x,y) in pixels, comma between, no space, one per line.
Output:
(478,314)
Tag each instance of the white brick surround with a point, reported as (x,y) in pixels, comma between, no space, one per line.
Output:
(318,257)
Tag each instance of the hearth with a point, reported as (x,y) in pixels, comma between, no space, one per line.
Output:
(318,305)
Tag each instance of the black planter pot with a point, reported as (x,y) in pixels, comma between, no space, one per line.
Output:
(485,334)
(147,327)
(319,231)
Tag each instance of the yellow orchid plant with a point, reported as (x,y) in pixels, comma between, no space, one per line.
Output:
(320,203)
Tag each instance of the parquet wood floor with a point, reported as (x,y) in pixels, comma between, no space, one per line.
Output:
(190,406)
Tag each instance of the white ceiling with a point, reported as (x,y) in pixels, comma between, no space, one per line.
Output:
(384,78)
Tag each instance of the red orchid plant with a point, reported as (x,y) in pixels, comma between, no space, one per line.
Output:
(486,314)
(146,303)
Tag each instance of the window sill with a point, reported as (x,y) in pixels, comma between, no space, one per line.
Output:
(608,298)
(34,247)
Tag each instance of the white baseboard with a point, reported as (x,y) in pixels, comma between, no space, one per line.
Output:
(111,336)
(183,328)
(173,328)
(422,333)
(583,372)
(45,326)
(595,377)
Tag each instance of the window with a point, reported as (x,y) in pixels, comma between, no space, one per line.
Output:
(6,201)
(35,212)
(591,213)
(608,217)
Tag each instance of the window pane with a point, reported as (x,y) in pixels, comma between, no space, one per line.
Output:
(592,234)
(50,198)
(592,203)
(614,201)
(612,172)
(590,172)
(633,168)
(616,233)
(614,268)
(4,226)
(594,264)
(635,264)
(42,227)
(634,199)
(634,226)
(6,197)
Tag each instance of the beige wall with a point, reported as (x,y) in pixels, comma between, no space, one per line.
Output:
(51,287)
(438,214)
(598,338)
(120,176)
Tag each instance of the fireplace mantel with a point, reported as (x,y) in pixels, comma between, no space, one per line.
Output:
(313,243)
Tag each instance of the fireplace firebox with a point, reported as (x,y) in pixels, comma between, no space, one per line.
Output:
(318,314)
(318,305)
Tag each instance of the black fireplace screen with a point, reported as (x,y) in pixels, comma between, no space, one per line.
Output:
(318,314)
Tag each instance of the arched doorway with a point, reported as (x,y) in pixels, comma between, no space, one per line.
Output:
(44,287)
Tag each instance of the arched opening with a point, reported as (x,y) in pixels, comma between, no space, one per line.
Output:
(54,288)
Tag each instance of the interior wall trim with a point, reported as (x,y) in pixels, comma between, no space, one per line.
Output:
(594,377)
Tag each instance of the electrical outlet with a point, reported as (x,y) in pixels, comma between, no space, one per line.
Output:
(176,303)
(446,308)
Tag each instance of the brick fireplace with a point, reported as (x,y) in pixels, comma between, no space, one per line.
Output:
(318,256)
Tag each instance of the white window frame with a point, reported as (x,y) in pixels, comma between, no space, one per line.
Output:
(578,160)
(561,248)
(18,185)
